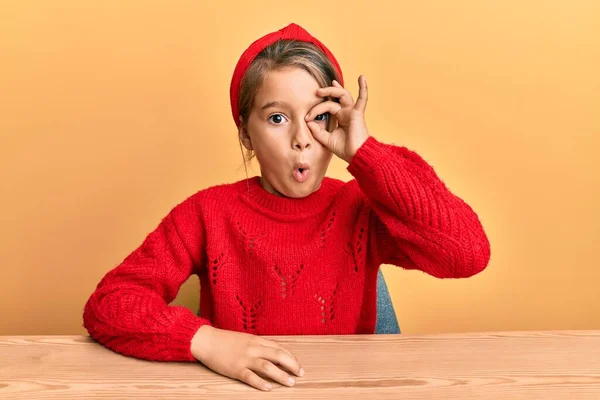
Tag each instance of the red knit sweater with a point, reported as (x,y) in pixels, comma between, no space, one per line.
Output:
(271,265)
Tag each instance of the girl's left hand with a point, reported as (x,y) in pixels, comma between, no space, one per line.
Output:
(351,131)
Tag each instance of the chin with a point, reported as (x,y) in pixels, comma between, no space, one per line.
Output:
(292,188)
(299,194)
(299,190)
(304,189)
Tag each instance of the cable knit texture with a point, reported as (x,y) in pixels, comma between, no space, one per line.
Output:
(270,265)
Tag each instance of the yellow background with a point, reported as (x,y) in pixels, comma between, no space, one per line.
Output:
(114,111)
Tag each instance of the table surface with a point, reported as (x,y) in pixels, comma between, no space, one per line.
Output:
(493,365)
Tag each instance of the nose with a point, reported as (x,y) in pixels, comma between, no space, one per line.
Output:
(302,138)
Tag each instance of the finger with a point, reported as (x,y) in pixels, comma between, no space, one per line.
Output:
(254,380)
(322,135)
(281,357)
(270,370)
(275,345)
(337,92)
(361,102)
(327,106)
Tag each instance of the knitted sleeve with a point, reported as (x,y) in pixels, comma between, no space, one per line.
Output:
(129,310)
(416,222)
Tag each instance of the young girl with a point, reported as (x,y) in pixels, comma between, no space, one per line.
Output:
(289,252)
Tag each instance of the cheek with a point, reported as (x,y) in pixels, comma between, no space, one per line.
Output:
(270,149)
(324,155)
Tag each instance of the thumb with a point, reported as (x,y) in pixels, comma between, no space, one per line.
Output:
(321,135)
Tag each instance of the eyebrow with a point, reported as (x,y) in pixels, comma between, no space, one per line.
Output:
(283,104)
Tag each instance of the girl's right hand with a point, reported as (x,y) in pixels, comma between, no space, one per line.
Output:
(245,357)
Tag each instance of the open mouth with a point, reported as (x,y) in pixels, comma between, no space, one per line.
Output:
(301,174)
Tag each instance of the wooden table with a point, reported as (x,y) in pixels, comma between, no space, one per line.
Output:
(511,365)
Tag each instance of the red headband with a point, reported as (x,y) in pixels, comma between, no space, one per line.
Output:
(292,31)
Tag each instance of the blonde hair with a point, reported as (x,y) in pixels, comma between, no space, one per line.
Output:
(283,53)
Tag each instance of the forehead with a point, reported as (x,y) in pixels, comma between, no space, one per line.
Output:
(292,85)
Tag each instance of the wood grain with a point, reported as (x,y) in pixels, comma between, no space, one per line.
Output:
(502,365)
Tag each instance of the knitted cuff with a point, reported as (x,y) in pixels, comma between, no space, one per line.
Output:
(181,337)
(368,157)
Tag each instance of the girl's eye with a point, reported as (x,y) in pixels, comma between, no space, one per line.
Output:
(322,117)
(277,118)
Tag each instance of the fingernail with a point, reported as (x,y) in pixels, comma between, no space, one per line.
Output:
(301,371)
(268,386)
(291,381)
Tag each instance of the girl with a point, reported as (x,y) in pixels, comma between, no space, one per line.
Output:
(289,252)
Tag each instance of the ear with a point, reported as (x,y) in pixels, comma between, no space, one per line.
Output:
(243,135)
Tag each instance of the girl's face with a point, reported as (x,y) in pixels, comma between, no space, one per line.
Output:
(292,162)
